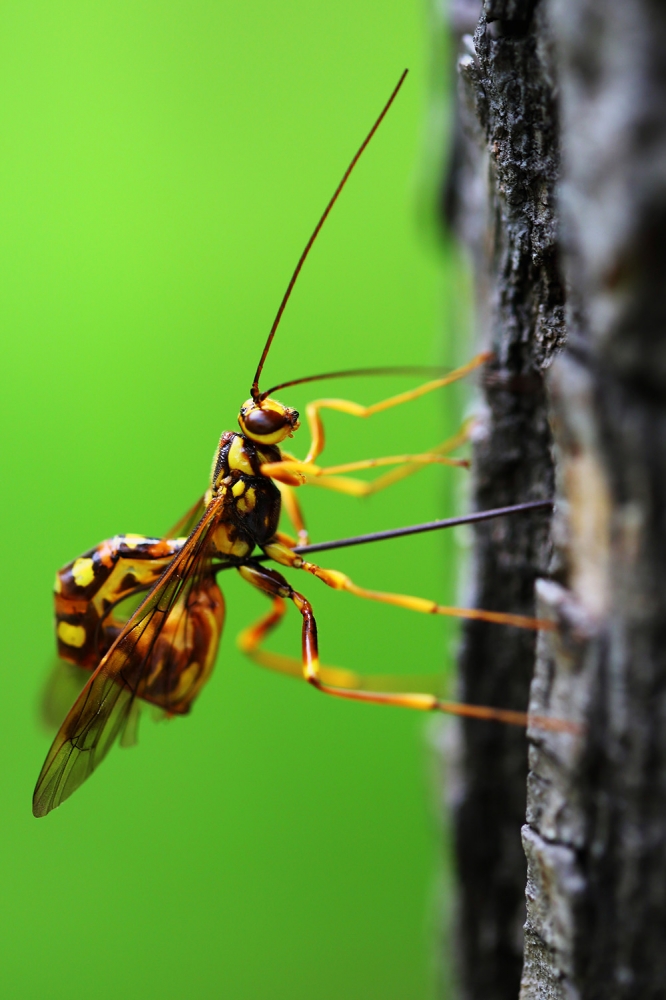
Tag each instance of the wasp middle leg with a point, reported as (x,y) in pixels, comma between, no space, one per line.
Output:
(340,581)
(293,508)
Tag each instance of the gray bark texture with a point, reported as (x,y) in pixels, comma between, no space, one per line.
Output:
(596,823)
(589,79)
(500,198)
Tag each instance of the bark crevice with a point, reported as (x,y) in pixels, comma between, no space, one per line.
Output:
(501,201)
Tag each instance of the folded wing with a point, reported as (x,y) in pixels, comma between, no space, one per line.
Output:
(163,655)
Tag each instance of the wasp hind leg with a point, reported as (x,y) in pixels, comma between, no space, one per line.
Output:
(250,639)
(347,684)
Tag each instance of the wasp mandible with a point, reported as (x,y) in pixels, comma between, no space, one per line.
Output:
(164,652)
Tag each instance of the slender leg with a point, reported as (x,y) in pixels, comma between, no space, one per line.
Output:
(395,475)
(326,679)
(287,469)
(340,581)
(251,638)
(293,508)
(357,410)
(287,540)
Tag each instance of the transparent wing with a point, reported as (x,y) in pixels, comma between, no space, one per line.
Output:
(164,654)
(188,521)
(63,686)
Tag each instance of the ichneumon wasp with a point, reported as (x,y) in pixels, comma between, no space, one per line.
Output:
(163,651)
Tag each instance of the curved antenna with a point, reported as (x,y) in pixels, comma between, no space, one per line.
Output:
(423,370)
(256,395)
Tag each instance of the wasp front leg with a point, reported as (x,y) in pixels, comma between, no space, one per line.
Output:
(333,477)
(89,591)
(314,409)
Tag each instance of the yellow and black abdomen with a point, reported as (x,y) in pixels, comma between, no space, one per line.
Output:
(89,592)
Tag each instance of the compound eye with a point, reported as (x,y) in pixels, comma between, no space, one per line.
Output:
(264,421)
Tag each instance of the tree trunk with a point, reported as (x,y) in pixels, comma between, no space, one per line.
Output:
(501,200)
(595,836)
(596,832)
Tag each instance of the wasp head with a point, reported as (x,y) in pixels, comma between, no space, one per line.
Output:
(266,421)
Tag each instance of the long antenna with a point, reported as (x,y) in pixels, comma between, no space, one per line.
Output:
(421,370)
(256,395)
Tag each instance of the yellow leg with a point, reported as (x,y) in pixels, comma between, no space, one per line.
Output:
(359,487)
(284,539)
(357,410)
(276,469)
(346,684)
(293,508)
(340,581)
(408,465)
(251,638)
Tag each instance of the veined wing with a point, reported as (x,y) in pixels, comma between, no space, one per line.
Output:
(153,658)
(188,521)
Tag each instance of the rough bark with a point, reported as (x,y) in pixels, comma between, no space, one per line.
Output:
(595,836)
(596,831)
(500,198)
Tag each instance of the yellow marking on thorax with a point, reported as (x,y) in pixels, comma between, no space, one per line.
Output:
(239,488)
(83,571)
(131,541)
(71,635)
(57,586)
(247,502)
(237,457)
(228,547)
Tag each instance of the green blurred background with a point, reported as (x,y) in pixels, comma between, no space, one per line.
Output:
(163,165)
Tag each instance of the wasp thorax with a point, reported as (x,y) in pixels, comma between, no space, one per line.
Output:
(267,421)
